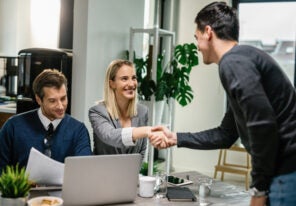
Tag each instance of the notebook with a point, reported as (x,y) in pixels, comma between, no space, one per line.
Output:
(101,179)
(180,194)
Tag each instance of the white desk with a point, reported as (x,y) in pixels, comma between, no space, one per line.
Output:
(222,194)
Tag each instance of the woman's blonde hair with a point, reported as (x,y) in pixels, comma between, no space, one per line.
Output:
(109,96)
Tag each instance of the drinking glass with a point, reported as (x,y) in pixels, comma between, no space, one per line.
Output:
(161,184)
(204,190)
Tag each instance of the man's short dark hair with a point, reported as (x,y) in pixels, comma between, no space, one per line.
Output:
(221,18)
(48,78)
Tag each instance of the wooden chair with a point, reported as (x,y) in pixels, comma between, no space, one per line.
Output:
(240,169)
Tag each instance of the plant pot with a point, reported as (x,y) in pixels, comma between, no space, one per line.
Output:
(159,108)
(21,201)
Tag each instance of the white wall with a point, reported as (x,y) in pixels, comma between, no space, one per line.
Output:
(16,32)
(8,34)
(101,34)
(207,108)
(14,21)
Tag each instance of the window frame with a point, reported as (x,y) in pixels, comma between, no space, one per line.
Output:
(235,4)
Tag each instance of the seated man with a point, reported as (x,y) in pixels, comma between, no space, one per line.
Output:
(47,129)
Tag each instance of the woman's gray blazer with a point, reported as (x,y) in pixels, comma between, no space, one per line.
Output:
(107,132)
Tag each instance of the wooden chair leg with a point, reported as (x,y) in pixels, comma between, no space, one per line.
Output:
(247,181)
(215,174)
(219,163)
(223,166)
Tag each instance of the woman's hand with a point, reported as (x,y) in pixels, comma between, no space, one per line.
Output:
(161,137)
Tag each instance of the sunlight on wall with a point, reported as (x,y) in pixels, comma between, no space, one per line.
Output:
(45,21)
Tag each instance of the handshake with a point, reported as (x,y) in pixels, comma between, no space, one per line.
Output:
(161,137)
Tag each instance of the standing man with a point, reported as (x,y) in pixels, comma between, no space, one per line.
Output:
(261,108)
(47,129)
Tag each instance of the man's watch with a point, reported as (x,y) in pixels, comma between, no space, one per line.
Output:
(254,192)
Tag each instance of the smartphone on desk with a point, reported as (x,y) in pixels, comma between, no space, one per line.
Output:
(177,181)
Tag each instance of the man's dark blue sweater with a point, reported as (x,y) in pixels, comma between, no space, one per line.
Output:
(22,132)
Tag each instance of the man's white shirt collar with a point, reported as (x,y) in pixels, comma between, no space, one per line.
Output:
(45,121)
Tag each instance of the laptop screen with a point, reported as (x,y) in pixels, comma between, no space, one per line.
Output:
(101,179)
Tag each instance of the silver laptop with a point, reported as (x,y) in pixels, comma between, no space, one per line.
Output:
(101,179)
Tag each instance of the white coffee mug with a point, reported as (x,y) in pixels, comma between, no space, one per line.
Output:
(146,186)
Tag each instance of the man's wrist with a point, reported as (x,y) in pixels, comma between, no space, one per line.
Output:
(254,192)
(175,138)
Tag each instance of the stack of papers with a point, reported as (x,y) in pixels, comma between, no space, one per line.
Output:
(43,170)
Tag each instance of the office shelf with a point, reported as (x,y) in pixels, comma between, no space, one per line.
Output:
(155,34)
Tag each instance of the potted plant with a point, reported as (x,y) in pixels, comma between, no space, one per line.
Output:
(144,168)
(14,186)
(172,79)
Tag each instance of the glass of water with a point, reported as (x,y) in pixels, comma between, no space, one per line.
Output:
(204,190)
(161,185)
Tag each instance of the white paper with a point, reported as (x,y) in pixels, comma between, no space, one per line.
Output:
(44,170)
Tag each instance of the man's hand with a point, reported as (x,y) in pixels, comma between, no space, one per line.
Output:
(160,142)
(258,201)
(158,139)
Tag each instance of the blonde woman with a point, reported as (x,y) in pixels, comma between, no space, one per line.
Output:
(119,123)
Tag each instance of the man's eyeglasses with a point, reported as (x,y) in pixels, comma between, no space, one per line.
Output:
(48,140)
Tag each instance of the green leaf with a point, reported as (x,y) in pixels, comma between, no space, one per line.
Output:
(144,168)
(172,81)
(180,54)
(14,182)
(159,70)
(147,89)
(185,95)
(193,55)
